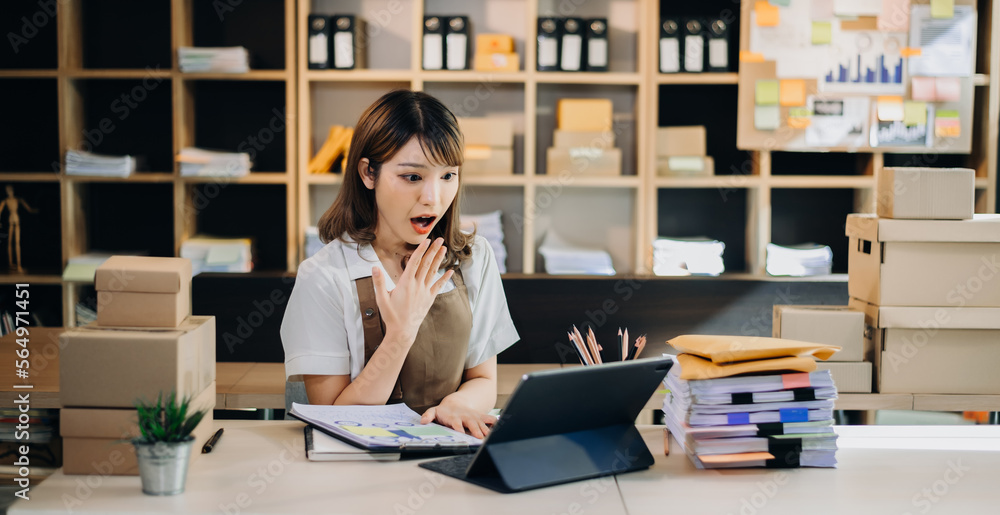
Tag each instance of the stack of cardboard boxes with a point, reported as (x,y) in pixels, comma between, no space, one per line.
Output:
(144,343)
(680,151)
(489,145)
(584,142)
(851,367)
(926,273)
(495,53)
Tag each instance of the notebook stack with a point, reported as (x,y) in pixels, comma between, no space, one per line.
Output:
(751,402)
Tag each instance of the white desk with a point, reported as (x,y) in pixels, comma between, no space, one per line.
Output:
(260,464)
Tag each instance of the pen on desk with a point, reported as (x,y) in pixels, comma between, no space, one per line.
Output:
(211,442)
(621,346)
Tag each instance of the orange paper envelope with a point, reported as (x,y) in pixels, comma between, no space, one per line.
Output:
(726,349)
(695,368)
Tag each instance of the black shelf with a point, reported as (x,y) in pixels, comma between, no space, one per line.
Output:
(812,216)
(29,138)
(246,211)
(721,215)
(726,10)
(129,217)
(41,236)
(258,25)
(714,107)
(818,163)
(129,116)
(928,160)
(44,303)
(243,117)
(29,27)
(118,34)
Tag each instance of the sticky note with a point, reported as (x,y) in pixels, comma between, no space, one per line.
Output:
(747,56)
(910,52)
(799,112)
(947,124)
(766,92)
(799,123)
(766,118)
(947,113)
(942,8)
(767,15)
(949,89)
(890,108)
(922,88)
(793,92)
(822,33)
(915,113)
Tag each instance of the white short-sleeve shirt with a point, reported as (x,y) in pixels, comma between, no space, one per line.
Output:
(322,332)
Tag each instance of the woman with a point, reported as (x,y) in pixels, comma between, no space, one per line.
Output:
(400,305)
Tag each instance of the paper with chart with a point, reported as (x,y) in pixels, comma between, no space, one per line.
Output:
(375,427)
(947,46)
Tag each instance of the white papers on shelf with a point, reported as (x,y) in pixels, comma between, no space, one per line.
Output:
(946,44)
(79,162)
(313,243)
(562,258)
(799,260)
(489,226)
(198,162)
(228,255)
(688,256)
(214,59)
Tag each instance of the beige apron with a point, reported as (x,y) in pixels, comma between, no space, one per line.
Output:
(435,364)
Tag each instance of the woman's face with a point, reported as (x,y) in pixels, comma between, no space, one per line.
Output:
(412,195)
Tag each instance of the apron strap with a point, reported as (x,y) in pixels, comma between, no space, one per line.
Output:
(374,328)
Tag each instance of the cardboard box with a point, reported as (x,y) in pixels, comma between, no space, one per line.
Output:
(483,160)
(584,114)
(110,368)
(571,139)
(135,291)
(927,193)
(853,377)
(494,43)
(497,62)
(584,161)
(924,262)
(681,141)
(685,166)
(487,131)
(832,325)
(935,350)
(98,440)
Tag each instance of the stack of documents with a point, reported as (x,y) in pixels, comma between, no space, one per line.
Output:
(232,255)
(751,402)
(214,59)
(562,258)
(79,162)
(799,260)
(197,162)
(489,226)
(688,256)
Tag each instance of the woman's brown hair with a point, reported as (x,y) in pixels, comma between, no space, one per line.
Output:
(384,128)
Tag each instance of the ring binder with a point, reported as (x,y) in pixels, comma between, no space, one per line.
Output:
(597,45)
(457,43)
(571,54)
(718,46)
(433,53)
(694,46)
(670,46)
(548,44)
(346,50)
(319,42)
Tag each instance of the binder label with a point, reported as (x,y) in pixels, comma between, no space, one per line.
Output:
(597,53)
(343,50)
(548,52)
(433,51)
(571,52)
(670,60)
(457,43)
(694,53)
(718,53)
(318,53)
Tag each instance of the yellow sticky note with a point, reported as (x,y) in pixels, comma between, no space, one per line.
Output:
(942,8)
(747,56)
(890,108)
(915,113)
(368,431)
(822,33)
(767,15)
(793,92)
(799,123)
(766,93)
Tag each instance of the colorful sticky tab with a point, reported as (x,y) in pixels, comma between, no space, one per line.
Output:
(747,56)
(949,89)
(766,118)
(910,51)
(794,415)
(790,381)
(947,113)
(942,8)
(890,108)
(915,113)
(736,419)
(766,92)
(792,92)
(947,127)
(822,32)
(922,88)
(799,122)
(767,15)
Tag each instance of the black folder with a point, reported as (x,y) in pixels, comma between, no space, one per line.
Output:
(456,43)
(319,42)
(597,45)
(564,425)
(433,43)
(548,44)
(346,41)
(718,45)
(572,52)
(694,45)
(670,46)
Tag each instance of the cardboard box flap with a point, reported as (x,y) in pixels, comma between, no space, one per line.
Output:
(143,274)
(935,318)
(981,228)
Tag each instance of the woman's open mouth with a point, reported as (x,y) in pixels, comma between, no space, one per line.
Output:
(422,224)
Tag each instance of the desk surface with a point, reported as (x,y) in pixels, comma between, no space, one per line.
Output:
(259,467)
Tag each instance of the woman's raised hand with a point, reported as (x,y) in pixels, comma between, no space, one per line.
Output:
(404,308)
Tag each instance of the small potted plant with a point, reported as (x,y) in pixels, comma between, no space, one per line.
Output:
(164,445)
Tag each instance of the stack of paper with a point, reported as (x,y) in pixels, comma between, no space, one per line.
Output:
(751,402)
(563,258)
(233,255)
(799,260)
(79,162)
(489,226)
(313,243)
(688,256)
(214,59)
(198,162)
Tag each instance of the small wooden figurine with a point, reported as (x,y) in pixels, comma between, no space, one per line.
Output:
(12,204)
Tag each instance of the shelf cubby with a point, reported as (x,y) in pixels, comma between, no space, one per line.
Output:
(255,211)
(593,218)
(258,25)
(127,217)
(712,213)
(813,216)
(246,116)
(478,200)
(41,236)
(44,303)
(31,114)
(30,40)
(388,39)
(117,35)
(624,19)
